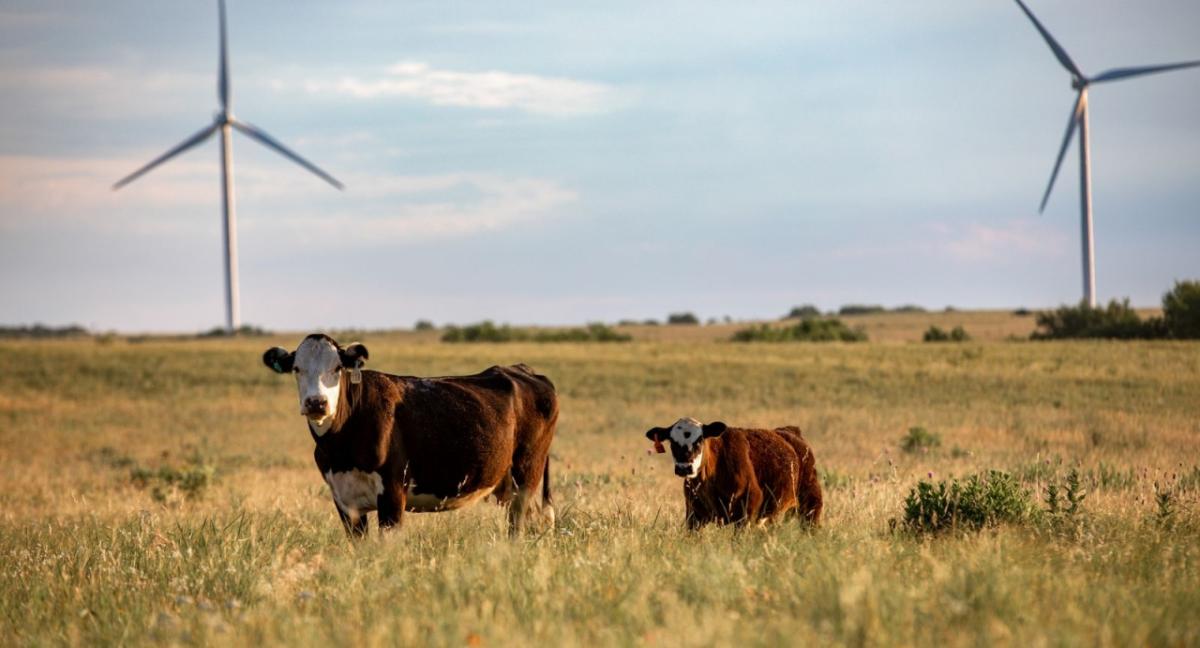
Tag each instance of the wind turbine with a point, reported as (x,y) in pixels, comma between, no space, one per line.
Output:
(224,121)
(1079,119)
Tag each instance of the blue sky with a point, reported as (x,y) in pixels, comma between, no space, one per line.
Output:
(544,162)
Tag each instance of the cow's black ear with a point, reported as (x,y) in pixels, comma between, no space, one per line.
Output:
(714,429)
(279,359)
(354,355)
(658,434)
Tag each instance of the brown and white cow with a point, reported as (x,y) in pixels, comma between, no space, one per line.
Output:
(742,476)
(391,444)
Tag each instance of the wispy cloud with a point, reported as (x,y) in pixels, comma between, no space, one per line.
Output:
(70,193)
(554,96)
(1019,238)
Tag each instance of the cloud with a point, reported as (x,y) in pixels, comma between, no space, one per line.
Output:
(1020,237)
(490,90)
(969,243)
(66,192)
(409,209)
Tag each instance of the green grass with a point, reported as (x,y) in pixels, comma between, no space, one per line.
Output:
(257,556)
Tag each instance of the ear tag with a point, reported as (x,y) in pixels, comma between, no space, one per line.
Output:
(275,365)
(658,446)
(355,376)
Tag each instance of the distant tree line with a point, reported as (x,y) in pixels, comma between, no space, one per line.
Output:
(42,331)
(487,331)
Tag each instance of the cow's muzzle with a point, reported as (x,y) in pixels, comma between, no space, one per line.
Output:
(315,407)
(683,470)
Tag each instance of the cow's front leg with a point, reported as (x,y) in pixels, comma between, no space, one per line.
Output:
(391,504)
(355,524)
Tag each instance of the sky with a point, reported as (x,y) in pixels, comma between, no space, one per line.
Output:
(560,163)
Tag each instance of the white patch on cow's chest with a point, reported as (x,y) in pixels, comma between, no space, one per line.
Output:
(355,491)
(694,466)
(426,503)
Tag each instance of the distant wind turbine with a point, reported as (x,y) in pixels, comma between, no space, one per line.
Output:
(1079,119)
(222,122)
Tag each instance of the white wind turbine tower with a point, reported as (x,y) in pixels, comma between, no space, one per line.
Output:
(223,121)
(1079,119)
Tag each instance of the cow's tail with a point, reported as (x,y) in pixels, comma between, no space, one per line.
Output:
(547,499)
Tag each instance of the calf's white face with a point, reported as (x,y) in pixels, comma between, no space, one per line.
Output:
(687,437)
(318,371)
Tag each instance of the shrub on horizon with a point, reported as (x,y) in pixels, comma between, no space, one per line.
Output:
(803,311)
(860,309)
(683,318)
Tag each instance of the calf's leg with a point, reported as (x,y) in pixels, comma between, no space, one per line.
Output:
(355,525)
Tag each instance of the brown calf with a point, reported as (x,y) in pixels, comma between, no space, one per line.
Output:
(742,476)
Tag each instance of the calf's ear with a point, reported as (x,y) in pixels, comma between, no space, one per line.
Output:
(657,434)
(279,359)
(354,355)
(714,429)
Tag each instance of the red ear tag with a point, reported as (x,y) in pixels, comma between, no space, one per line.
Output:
(658,446)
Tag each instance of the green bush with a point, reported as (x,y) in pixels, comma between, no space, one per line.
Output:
(487,331)
(808,330)
(937,334)
(909,308)
(983,499)
(423,325)
(168,482)
(1181,310)
(919,439)
(1118,320)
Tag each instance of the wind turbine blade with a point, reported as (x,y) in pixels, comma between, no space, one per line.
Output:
(1125,73)
(223,72)
(1076,112)
(265,139)
(1059,52)
(183,146)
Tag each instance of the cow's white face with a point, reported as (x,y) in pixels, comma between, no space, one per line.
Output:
(318,365)
(687,437)
(318,371)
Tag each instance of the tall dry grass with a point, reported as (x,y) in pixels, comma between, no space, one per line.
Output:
(255,555)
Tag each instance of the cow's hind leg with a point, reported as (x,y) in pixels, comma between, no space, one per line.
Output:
(391,506)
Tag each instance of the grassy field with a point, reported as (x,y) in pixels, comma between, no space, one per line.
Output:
(163,492)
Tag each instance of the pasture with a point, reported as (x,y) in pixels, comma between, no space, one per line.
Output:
(163,491)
